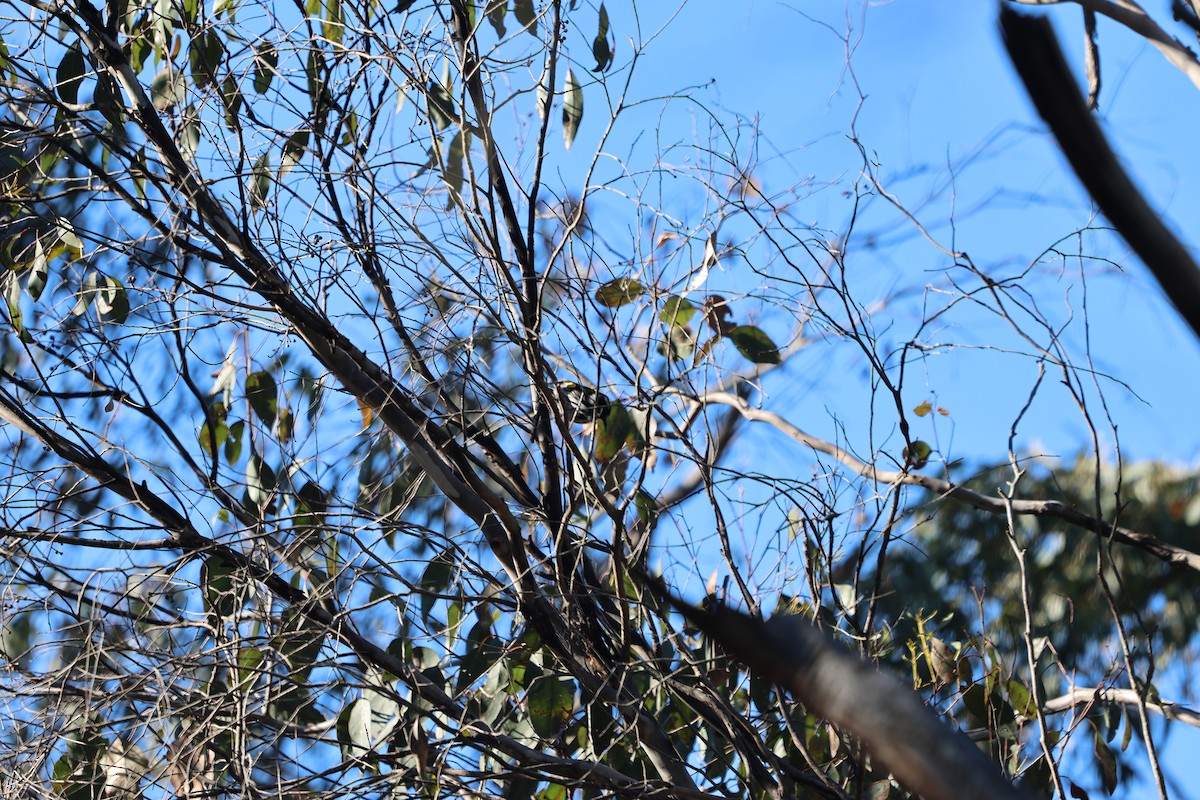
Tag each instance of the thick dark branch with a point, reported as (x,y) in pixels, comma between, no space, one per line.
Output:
(929,758)
(1039,60)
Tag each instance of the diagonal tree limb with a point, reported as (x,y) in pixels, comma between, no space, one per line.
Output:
(927,757)
(1039,60)
(993,505)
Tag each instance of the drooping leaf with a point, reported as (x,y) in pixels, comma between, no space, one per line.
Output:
(231,99)
(109,100)
(87,292)
(496,10)
(214,430)
(260,181)
(572,113)
(334,24)
(550,701)
(266,60)
(69,76)
(293,151)
(526,15)
(263,396)
(453,168)
(754,344)
(218,578)
(435,580)
(112,300)
(14,308)
(39,272)
(441,106)
(204,57)
(601,48)
(260,481)
(676,311)
(613,432)
(619,292)
(233,444)
(167,89)
(917,456)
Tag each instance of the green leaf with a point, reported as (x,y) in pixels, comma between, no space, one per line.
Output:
(613,432)
(112,301)
(87,292)
(496,11)
(754,344)
(572,113)
(918,455)
(1107,764)
(453,168)
(334,25)
(233,443)
(39,272)
(550,701)
(923,409)
(555,791)
(435,580)
(676,311)
(260,181)
(601,49)
(167,89)
(441,106)
(619,292)
(263,396)
(298,642)
(1021,699)
(69,76)
(217,579)
(260,481)
(231,98)
(526,15)
(109,100)
(266,59)
(293,150)
(204,57)
(14,308)
(214,430)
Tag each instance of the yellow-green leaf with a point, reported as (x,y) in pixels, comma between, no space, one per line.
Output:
(619,292)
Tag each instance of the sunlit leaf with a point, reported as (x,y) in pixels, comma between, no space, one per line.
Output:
(260,181)
(917,456)
(112,300)
(87,293)
(619,292)
(613,432)
(39,272)
(677,310)
(260,481)
(572,113)
(754,344)
(923,409)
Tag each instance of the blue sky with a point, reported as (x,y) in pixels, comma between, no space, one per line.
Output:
(938,89)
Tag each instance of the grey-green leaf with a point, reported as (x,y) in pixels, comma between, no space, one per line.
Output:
(572,113)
